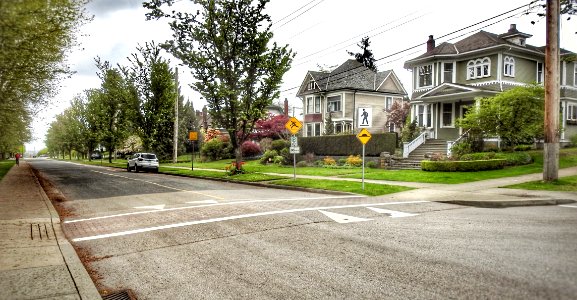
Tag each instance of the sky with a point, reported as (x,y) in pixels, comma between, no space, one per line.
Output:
(319,31)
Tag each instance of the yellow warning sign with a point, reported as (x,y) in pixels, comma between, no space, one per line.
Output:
(293,125)
(364,136)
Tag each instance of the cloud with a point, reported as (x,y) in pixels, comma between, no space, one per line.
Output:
(105,7)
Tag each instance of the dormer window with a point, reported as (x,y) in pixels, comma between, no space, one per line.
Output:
(312,85)
(509,66)
(479,68)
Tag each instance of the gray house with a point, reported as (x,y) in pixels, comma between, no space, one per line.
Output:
(343,92)
(448,77)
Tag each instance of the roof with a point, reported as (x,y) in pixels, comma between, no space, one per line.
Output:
(478,41)
(349,75)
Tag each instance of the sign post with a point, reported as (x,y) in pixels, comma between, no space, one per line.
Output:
(364,136)
(192,136)
(293,126)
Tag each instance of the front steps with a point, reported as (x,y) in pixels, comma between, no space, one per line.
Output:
(413,162)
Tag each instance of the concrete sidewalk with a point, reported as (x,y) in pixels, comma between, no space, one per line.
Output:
(36,260)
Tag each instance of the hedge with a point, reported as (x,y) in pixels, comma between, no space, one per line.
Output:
(344,145)
(462,166)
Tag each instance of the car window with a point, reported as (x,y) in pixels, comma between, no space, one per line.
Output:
(149,156)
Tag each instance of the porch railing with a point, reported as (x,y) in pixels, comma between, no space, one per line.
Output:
(450,144)
(414,144)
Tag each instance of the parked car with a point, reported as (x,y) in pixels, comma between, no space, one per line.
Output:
(96,155)
(142,161)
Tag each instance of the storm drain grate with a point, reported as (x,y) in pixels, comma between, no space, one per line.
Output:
(39,232)
(120,295)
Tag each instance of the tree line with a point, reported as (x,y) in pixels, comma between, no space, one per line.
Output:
(132,110)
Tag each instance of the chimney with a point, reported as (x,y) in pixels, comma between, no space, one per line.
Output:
(430,43)
(513,28)
(285,107)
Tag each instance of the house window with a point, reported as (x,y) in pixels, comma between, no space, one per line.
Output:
(310,103)
(509,66)
(423,114)
(334,103)
(313,129)
(388,103)
(448,72)
(540,78)
(425,75)
(312,85)
(317,104)
(338,127)
(390,126)
(479,68)
(448,114)
(348,127)
(571,112)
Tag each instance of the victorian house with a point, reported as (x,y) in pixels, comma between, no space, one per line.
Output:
(448,78)
(344,91)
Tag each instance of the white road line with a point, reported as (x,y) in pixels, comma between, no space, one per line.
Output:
(392,213)
(209,205)
(160,185)
(268,213)
(572,206)
(343,219)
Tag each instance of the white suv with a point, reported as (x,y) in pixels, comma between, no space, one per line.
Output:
(141,161)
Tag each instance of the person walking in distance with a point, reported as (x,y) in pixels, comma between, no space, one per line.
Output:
(17,159)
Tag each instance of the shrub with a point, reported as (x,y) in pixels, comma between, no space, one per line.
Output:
(287,158)
(462,166)
(354,160)
(232,170)
(278,145)
(215,149)
(371,164)
(268,157)
(574,140)
(523,147)
(342,145)
(265,144)
(310,158)
(302,164)
(250,149)
(515,158)
(478,156)
(329,161)
(342,161)
(461,148)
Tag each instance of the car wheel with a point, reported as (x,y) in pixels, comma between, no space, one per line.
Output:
(127,167)
(136,168)
(156,170)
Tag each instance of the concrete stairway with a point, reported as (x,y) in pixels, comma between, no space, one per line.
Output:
(413,162)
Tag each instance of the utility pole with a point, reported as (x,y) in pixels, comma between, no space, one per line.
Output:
(175,139)
(551,147)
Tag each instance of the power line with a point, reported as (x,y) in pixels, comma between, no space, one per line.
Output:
(421,44)
(283,24)
(292,13)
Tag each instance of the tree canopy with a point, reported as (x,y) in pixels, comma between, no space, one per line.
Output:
(515,116)
(227,45)
(34,38)
(366,56)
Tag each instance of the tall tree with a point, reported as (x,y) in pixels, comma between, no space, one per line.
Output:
(153,97)
(516,115)
(226,45)
(34,38)
(366,56)
(111,107)
(188,122)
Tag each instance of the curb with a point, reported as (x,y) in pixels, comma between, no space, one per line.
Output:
(84,285)
(509,203)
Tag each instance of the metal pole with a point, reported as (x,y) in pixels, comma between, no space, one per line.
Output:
(363,167)
(551,146)
(175,140)
(192,158)
(294,166)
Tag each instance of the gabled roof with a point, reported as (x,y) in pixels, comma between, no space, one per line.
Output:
(349,75)
(478,41)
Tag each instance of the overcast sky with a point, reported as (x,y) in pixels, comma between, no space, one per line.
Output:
(319,31)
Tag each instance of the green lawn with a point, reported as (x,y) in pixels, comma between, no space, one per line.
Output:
(565,184)
(371,189)
(5,166)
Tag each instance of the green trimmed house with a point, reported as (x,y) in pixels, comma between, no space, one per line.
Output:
(448,78)
(343,93)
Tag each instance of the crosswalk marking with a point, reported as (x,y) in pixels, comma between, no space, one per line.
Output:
(392,213)
(340,218)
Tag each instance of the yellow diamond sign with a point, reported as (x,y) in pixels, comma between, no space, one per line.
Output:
(364,136)
(293,125)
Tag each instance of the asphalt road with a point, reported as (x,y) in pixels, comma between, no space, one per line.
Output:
(169,237)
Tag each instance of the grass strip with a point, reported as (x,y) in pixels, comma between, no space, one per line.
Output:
(5,166)
(250,177)
(565,184)
(371,189)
